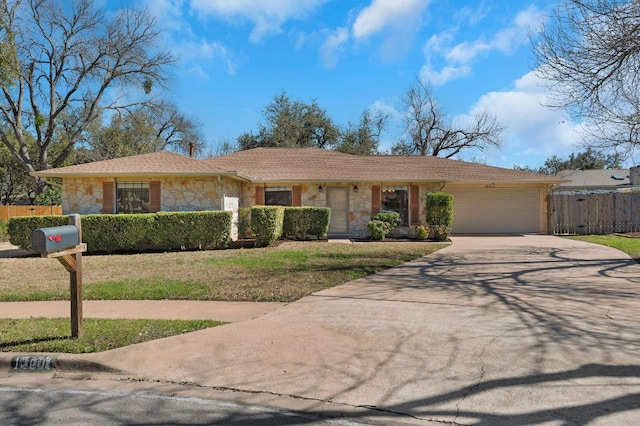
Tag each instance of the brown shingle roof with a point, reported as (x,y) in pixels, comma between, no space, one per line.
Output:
(314,164)
(157,163)
(301,165)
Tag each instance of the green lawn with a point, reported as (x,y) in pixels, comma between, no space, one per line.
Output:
(631,246)
(275,274)
(284,273)
(53,334)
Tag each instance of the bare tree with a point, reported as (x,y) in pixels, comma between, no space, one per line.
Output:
(75,63)
(430,132)
(176,129)
(590,54)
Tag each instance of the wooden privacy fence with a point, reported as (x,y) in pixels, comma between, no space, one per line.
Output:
(604,213)
(7,212)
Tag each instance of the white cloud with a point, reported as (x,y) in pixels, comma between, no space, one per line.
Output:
(333,46)
(446,74)
(266,16)
(394,21)
(389,110)
(196,55)
(532,132)
(458,59)
(381,14)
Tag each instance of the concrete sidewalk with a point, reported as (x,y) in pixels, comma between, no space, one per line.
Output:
(488,331)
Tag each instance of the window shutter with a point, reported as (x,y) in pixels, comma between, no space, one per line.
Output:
(375,199)
(296,196)
(155,197)
(108,197)
(259,196)
(414,204)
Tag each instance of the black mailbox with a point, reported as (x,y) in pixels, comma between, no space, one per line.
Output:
(45,240)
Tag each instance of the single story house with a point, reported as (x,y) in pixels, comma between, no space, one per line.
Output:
(486,199)
(598,181)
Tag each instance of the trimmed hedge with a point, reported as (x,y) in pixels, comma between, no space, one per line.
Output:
(266,224)
(302,223)
(115,232)
(107,233)
(439,214)
(20,228)
(191,230)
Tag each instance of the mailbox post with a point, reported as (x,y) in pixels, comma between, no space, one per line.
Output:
(65,244)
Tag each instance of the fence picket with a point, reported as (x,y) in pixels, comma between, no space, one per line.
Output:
(595,213)
(7,212)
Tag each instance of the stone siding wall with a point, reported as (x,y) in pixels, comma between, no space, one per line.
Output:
(84,195)
(359,203)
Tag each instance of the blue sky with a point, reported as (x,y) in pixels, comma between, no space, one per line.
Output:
(234,56)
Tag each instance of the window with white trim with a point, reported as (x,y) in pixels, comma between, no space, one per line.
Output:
(277,196)
(396,199)
(132,197)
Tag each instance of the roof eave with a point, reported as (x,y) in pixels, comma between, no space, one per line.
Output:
(52,174)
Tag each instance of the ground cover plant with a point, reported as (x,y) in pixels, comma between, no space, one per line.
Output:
(276,274)
(631,246)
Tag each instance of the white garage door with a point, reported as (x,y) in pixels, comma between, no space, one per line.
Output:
(496,211)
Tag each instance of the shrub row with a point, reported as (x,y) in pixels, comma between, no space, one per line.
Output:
(106,233)
(269,223)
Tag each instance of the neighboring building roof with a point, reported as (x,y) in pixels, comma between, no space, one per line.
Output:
(314,164)
(163,163)
(603,179)
(302,165)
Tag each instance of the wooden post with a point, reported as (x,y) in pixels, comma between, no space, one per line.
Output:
(75,283)
(71,259)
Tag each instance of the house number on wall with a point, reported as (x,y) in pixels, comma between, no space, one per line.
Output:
(490,185)
(33,363)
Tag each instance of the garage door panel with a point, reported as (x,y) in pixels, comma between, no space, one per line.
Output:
(496,210)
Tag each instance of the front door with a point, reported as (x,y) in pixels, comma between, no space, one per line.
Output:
(338,202)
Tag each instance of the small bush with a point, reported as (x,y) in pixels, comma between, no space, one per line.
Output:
(439,209)
(422,233)
(390,218)
(439,232)
(378,229)
(267,224)
(439,215)
(302,223)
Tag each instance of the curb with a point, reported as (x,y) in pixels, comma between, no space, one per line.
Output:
(44,363)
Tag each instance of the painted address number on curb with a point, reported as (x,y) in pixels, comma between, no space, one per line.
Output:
(33,363)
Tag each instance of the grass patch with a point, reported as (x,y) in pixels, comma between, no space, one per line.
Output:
(631,246)
(53,334)
(276,274)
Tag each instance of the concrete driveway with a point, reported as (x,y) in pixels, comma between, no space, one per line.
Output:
(491,330)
